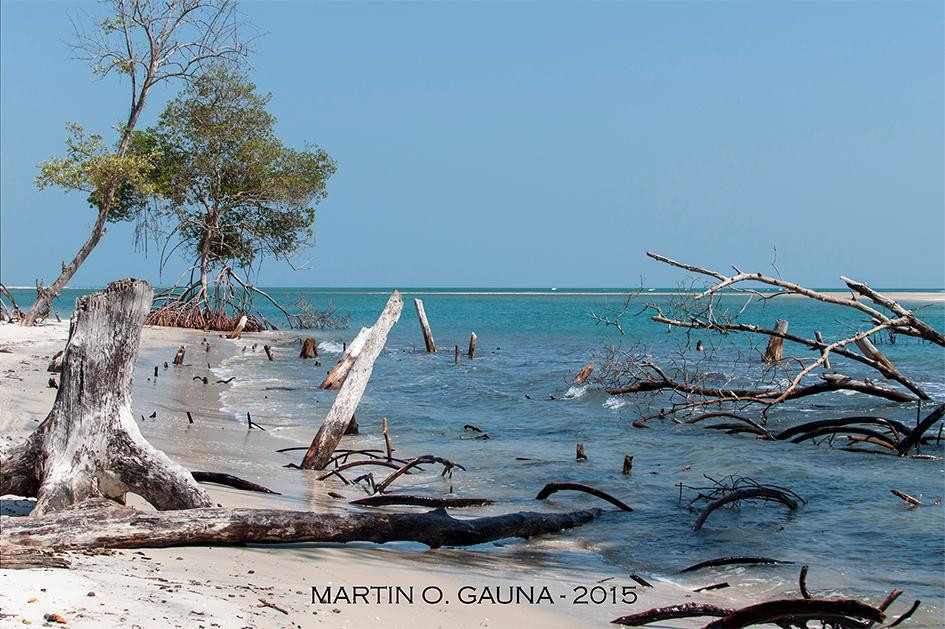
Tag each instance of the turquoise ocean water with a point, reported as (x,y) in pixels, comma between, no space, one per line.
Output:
(856,536)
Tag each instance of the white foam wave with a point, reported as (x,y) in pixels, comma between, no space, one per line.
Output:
(576,391)
(614,403)
(331,347)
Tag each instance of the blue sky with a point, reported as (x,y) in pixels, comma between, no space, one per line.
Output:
(534,144)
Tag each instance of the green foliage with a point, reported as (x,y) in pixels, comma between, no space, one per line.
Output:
(222,178)
(91,166)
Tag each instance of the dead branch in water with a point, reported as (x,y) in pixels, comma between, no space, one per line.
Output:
(427,458)
(231,481)
(690,383)
(672,612)
(551,488)
(728,561)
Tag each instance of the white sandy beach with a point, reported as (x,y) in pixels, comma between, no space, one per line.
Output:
(222,586)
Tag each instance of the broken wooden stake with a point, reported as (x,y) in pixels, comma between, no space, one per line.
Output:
(579,454)
(155,371)
(456,356)
(627,465)
(390,450)
(472,345)
(346,402)
(424,326)
(910,500)
(179,356)
(776,343)
(309,349)
(269,352)
(190,418)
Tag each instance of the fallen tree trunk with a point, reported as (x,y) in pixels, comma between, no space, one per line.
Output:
(799,611)
(346,402)
(99,523)
(89,445)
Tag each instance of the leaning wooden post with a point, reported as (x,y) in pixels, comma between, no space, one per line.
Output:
(456,357)
(424,326)
(269,352)
(390,450)
(776,343)
(346,402)
(472,345)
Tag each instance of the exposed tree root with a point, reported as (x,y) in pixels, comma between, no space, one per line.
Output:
(231,481)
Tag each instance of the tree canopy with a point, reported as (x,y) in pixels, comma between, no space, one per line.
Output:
(226,189)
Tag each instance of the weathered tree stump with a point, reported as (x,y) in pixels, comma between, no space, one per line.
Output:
(309,349)
(584,374)
(89,445)
(179,356)
(776,343)
(472,345)
(237,332)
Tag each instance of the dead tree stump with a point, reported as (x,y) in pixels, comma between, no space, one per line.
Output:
(579,453)
(776,343)
(237,332)
(269,353)
(424,326)
(309,349)
(472,345)
(89,445)
(584,374)
(179,356)
(627,465)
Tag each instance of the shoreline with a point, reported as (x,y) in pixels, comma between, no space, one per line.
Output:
(224,585)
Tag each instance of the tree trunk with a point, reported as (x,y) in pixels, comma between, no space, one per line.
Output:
(309,349)
(96,524)
(346,402)
(89,445)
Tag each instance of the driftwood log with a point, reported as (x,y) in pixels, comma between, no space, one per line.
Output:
(89,445)
(346,402)
(101,523)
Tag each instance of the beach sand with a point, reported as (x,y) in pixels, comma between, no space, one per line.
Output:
(244,586)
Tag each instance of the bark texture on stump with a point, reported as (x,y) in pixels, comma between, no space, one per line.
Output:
(89,445)
(776,343)
(346,402)
(309,348)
